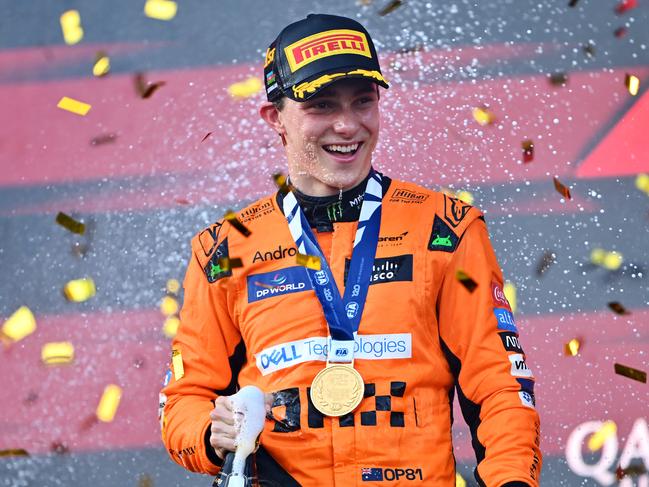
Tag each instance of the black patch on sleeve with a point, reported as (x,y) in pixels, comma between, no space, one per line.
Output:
(442,237)
(511,342)
(213,270)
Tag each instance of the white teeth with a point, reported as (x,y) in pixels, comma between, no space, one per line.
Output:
(342,148)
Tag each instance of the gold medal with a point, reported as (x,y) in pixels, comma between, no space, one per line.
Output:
(337,390)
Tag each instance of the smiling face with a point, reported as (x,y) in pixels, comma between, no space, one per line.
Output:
(330,137)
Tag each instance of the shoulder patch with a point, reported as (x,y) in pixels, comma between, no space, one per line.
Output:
(213,270)
(455,210)
(257,210)
(442,237)
(208,238)
(406,195)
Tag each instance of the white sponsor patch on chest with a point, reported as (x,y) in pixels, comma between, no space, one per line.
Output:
(366,347)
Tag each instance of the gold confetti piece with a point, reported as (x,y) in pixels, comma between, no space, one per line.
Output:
(173,286)
(236,223)
(483,116)
(56,353)
(79,290)
(466,280)
(510,293)
(74,106)
(597,439)
(169,306)
(108,403)
(642,182)
(14,452)
(631,373)
(70,223)
(465,196)
(71,27)
(245,88)
(102,65)
(282,183)
(613,261)
(206,136)
(145,481)
(308,261)
(143,88)
(559,79)
(390,7)
(562,189)
(459,481)
(597,256)
(160,9)
(572,3)
(546,261)
(103,139)
(228,263)
(618,308)
(632,83)
(19,325)
(528,151)
(177,363)
(572,347)
(170,327)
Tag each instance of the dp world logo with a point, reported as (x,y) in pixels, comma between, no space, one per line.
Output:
(351,309)
(278,279)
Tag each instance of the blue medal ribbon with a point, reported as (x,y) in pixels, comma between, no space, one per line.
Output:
(343,315)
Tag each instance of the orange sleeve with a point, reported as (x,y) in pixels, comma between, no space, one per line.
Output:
(212,352)
(493,383)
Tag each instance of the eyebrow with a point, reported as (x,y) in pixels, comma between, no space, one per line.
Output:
(331,92)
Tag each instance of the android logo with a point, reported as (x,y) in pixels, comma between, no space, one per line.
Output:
(443,241)
(215,270)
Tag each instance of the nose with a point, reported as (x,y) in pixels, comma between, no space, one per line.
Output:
(346,123)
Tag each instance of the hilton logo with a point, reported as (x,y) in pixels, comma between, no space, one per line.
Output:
(402,195)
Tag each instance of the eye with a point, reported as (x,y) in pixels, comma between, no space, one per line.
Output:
(322,105)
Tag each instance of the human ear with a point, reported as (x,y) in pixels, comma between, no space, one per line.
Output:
(270,114)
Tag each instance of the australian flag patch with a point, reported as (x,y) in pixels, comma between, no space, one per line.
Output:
(371,474)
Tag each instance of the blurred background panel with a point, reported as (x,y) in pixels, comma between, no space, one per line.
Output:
(490,101)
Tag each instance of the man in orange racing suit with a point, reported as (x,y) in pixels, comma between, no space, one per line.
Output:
(423,332)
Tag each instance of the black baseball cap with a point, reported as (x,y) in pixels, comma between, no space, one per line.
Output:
(312,53)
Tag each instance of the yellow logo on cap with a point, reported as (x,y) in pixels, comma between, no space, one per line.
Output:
(270,56)
(323,44)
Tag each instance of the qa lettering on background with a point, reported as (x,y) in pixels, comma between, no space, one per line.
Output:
(636,448)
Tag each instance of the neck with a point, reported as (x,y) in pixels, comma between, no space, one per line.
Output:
(310,186)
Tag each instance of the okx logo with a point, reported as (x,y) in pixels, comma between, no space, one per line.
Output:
(285,281)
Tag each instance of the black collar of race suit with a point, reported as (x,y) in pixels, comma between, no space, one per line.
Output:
(323,211)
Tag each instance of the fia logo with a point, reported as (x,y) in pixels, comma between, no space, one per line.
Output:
(321,278)
(351,309)
(342,352)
